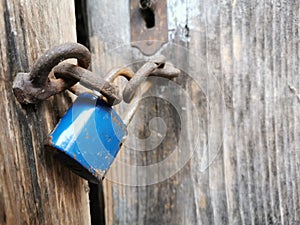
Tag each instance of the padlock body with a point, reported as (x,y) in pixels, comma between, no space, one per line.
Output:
(88,137)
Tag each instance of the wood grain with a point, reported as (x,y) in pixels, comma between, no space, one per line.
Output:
(34,188)
(241,69)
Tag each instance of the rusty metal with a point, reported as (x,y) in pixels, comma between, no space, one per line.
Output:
(104,85)
(168,71)
(78,89)
(89,80)
(155,67)
(36,85)
(134,105)
(148,39)
(115,73)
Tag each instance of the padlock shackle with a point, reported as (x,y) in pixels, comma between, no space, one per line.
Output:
(113,74)
(97,83)
(90,80)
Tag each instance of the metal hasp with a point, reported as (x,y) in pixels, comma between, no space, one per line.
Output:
(149,28)
(32,87)
(38,85)
(88,137)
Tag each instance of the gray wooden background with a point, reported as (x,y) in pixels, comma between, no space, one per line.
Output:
(240,63)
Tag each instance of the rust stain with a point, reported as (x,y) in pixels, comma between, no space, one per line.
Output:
(148,40)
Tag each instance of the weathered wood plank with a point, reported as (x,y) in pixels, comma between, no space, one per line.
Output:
(34,188)
(241,65)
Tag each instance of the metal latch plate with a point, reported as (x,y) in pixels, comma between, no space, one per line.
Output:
(148,40)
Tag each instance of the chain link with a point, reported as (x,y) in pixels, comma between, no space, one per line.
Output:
(39,85)
(35,86)
(155,67)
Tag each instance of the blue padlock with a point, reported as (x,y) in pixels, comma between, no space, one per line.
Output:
(88,137)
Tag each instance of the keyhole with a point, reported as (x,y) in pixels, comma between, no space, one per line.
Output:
(147,12)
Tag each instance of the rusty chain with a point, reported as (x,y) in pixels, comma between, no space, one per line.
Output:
(155,67)
(36,85)
(89,80)
(39,83)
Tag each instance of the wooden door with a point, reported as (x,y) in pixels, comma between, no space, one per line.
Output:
(34,188)
(234,112)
